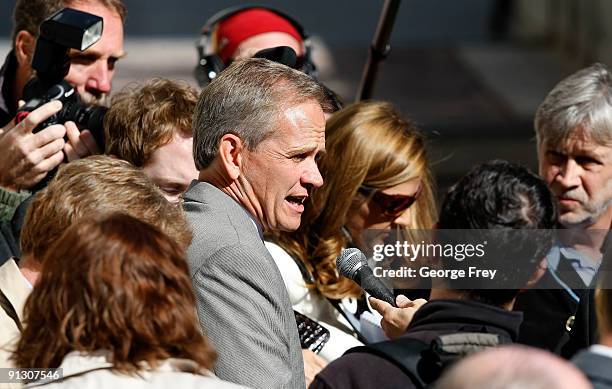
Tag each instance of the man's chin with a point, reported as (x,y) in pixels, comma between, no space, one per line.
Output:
(575,219)
(289,225)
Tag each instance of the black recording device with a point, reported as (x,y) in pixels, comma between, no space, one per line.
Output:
(66,29)
(210,65)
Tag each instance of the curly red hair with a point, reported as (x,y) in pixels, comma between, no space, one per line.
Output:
(116,284)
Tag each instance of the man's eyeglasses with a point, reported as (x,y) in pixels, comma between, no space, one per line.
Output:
(391,205)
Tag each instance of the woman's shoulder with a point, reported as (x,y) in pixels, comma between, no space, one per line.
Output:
(95,371)
(285,262)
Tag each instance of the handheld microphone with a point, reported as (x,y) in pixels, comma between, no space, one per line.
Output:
(352,263)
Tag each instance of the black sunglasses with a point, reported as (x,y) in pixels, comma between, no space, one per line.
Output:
(391,205)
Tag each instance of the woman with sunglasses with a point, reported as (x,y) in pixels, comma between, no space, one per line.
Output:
(377,180)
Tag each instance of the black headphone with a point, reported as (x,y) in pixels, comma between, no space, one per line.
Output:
(210,65)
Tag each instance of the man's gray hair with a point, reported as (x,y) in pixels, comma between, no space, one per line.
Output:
(247,100)
(582,99)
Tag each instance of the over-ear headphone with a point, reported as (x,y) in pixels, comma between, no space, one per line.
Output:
(210,64)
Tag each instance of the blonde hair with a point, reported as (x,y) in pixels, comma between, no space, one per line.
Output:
(367,143)
(97,185)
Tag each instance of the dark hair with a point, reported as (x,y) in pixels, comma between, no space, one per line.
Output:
(510,202)
(332,103)
(116,284)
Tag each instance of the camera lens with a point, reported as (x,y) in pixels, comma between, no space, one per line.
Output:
(89,117)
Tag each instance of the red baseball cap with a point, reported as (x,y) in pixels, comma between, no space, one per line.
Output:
(245,24)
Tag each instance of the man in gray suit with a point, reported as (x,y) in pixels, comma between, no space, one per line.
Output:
(258,128)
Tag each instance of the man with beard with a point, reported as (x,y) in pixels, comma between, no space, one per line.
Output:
(25,158)
(574,135)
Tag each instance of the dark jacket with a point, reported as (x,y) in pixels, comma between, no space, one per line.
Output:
(436,318)
(7,76)
(549,309)
(584,332)
(596,367)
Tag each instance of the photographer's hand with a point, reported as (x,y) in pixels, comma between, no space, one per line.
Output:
(25,157)
(395,321)
(80,143)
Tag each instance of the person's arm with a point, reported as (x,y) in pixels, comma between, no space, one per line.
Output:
(241,313)
(9,201)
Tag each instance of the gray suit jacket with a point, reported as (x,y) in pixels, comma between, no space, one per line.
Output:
(596,367)
(242,302)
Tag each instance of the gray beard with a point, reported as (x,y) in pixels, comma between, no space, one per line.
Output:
(89,99)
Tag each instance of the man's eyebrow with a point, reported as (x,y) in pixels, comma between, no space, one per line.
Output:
(93,53)
(303,148)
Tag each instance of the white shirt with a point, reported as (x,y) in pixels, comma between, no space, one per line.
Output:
(314,305)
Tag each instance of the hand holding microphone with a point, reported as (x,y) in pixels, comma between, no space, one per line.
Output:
(352,263)
(397,314)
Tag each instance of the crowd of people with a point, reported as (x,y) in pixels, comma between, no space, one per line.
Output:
(199,250)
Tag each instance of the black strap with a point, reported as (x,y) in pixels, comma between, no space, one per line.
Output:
(351,320)
(6,305)
(405,353)
(309,280)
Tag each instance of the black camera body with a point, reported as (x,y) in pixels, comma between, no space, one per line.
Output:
(87,116)
(66,29)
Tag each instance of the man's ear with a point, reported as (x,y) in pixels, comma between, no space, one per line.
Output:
(25,44)
(230,154)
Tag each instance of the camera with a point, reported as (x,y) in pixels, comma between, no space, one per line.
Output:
(88,116)
(66,29)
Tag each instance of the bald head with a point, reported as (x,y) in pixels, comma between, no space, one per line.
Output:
(513,367)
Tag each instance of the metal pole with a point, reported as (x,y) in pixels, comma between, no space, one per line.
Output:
(379,49)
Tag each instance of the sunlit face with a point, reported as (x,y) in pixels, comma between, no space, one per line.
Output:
(579,173)
(171,167)
(250,46)
(92,70)
(279,174)
(367,214)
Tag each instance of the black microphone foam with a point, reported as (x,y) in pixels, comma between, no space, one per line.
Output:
(352,263)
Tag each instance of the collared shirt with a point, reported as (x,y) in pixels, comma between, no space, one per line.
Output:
(83,370)
(601,350)
(585,267)
(255,222)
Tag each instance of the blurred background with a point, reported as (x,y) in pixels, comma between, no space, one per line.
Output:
(471,73)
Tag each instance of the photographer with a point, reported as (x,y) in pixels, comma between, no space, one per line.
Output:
(25,156)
